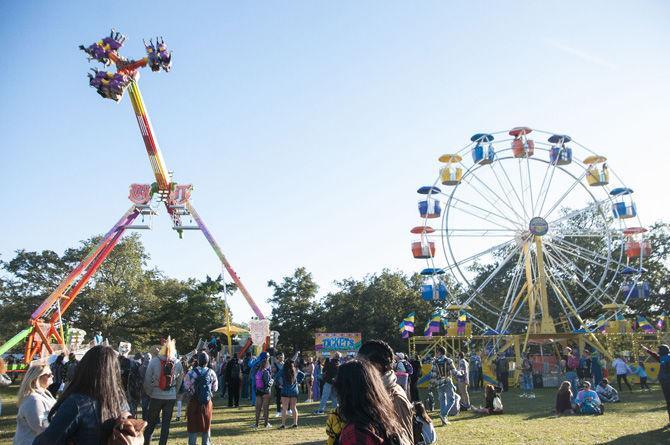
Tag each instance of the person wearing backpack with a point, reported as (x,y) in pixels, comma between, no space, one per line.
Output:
(663,358)
(201,384)
(233,375)
(263,383)
(163,377)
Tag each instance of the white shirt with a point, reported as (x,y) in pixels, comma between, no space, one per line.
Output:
(620,366)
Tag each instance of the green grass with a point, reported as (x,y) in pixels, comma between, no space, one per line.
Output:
(640,419)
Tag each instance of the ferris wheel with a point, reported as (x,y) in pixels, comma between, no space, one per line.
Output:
(532,232)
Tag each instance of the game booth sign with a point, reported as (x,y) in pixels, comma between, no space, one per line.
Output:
(346,343)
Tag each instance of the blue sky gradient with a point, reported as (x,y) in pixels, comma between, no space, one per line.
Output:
(306,127)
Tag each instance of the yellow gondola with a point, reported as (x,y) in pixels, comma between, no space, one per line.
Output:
(595,175)
(450,174)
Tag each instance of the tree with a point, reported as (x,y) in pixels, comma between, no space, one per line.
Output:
(375,306)
(293,309)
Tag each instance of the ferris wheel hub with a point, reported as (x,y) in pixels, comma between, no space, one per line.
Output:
(538,226)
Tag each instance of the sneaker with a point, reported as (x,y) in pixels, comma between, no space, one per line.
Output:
(523,395)
(532,396)
(278,414)
(268,426)
(177,419)
(294,426)
(443,419)
(254,427)
(318,411)
(281,427)
(290,412)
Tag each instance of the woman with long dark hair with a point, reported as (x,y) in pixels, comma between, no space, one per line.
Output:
(365,406)
(290,379)
(92,403)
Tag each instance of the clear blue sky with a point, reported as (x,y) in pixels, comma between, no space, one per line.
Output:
(306,127)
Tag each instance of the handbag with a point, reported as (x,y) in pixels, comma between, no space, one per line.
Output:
(128,432)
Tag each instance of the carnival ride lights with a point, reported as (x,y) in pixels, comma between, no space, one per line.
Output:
(46,321)
(524,233)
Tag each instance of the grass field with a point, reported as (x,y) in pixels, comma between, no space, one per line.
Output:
(641,420)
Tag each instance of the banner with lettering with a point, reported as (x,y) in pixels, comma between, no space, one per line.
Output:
(344,342)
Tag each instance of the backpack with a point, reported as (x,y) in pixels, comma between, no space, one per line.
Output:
(417,429)
(589,407)
(260,384)
(202,386)
(166,380)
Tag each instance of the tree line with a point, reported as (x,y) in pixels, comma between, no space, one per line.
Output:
(129,301)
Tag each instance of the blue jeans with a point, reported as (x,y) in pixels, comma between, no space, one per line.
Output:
(445,396)
(193,438)
(527,382)
(328,393)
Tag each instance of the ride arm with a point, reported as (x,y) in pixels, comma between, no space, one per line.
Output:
(224,261)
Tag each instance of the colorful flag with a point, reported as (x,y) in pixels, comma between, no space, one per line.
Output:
(460,324)
(660,324)
(407,325)
(433,326)
(644,324)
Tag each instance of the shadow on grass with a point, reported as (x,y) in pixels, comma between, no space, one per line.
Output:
(661,435)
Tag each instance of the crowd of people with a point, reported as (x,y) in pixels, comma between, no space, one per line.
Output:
(373,394)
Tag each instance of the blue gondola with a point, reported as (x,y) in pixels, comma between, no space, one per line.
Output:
(633,270)
(633,290)
(481,154)
(430,208)
(559,153)
(624,207)
(432,292)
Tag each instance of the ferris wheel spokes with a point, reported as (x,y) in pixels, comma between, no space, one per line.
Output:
(505,192)
(556,260)
(488,213)
(502,167)
(575,249)
(485,185)
(477,255)
(567,192)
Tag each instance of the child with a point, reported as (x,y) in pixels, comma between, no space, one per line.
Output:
(642,374)
(606,392)
(428,434)
(588,402)
(492,402)
(564,399)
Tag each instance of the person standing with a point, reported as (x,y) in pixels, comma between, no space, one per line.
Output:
(34,402)
(414,380)
(97,338)
(462,379)
(233,376)
(441,381)
(318,377)
(584,370)
(596,367)
(475,370)
(380,355)
(263,384)
(201,384)
(329,374)
(367,408)
(622,370)
(402,370)
(163,377)
(57,371)
(246,370)
(69,368)
(92,404)
(527,376)
(502,371)
(290,379)
(663,357)
(309,378)
(144,365)
(277,365)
